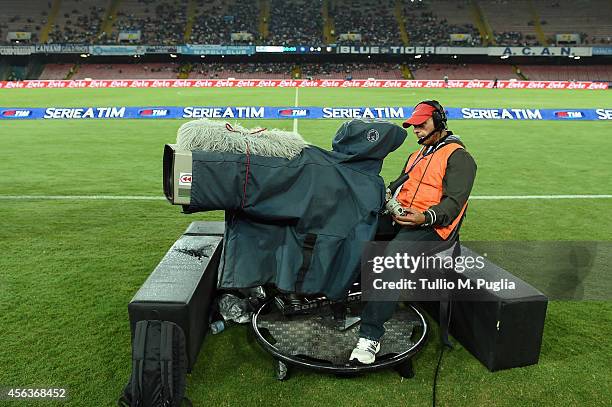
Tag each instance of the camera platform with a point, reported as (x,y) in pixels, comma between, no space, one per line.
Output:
(322,338)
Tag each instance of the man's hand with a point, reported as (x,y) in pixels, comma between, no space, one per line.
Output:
(411,218)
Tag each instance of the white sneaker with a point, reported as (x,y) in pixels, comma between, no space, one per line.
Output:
(365,351)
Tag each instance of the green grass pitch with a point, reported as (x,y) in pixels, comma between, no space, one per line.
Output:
(69,268)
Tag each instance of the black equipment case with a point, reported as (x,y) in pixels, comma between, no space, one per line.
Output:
(503,332)
(182,287)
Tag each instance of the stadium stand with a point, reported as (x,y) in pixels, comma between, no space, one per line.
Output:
(26,17)
(601,73)
(282,70)
(295,23)
(56,71)
(351,70)
(217,20)
(301,22)
(517,22)
(376,24)
(591,18)
(279,70)
(463,71)
(510,22)
(568,73)
(308,71)
(127,71)
(161,23)
(78,21)
(431,23)
(242,71)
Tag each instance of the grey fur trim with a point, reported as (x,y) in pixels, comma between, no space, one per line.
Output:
(212,135)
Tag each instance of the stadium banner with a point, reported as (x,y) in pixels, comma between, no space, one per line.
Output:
(299,83)
(567,38)
(16,50)
(602,50)
(61,49)
(461,50)
(292,112)
(460,37)
(132,35)
(276,49)
(117,50)
(191,49)
(195,49)
(160,49)
(350,36)
(541,51)
(18,36)
(352,49)
(241,36)
(295,49)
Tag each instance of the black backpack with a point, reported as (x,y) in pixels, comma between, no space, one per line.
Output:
(159,366)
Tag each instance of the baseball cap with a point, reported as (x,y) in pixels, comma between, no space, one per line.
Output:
(421,112)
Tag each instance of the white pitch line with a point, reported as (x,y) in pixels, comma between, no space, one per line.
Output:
(507,197)
(295,120)
(160,198)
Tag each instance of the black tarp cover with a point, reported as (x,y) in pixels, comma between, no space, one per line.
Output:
(301,223)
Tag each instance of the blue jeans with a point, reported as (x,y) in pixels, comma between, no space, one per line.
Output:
(376,313)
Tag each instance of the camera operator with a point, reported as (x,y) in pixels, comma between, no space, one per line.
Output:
(428,206)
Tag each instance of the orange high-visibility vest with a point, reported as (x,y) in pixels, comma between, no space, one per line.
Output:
(424,187)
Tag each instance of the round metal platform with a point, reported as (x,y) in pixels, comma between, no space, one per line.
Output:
(318,341)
